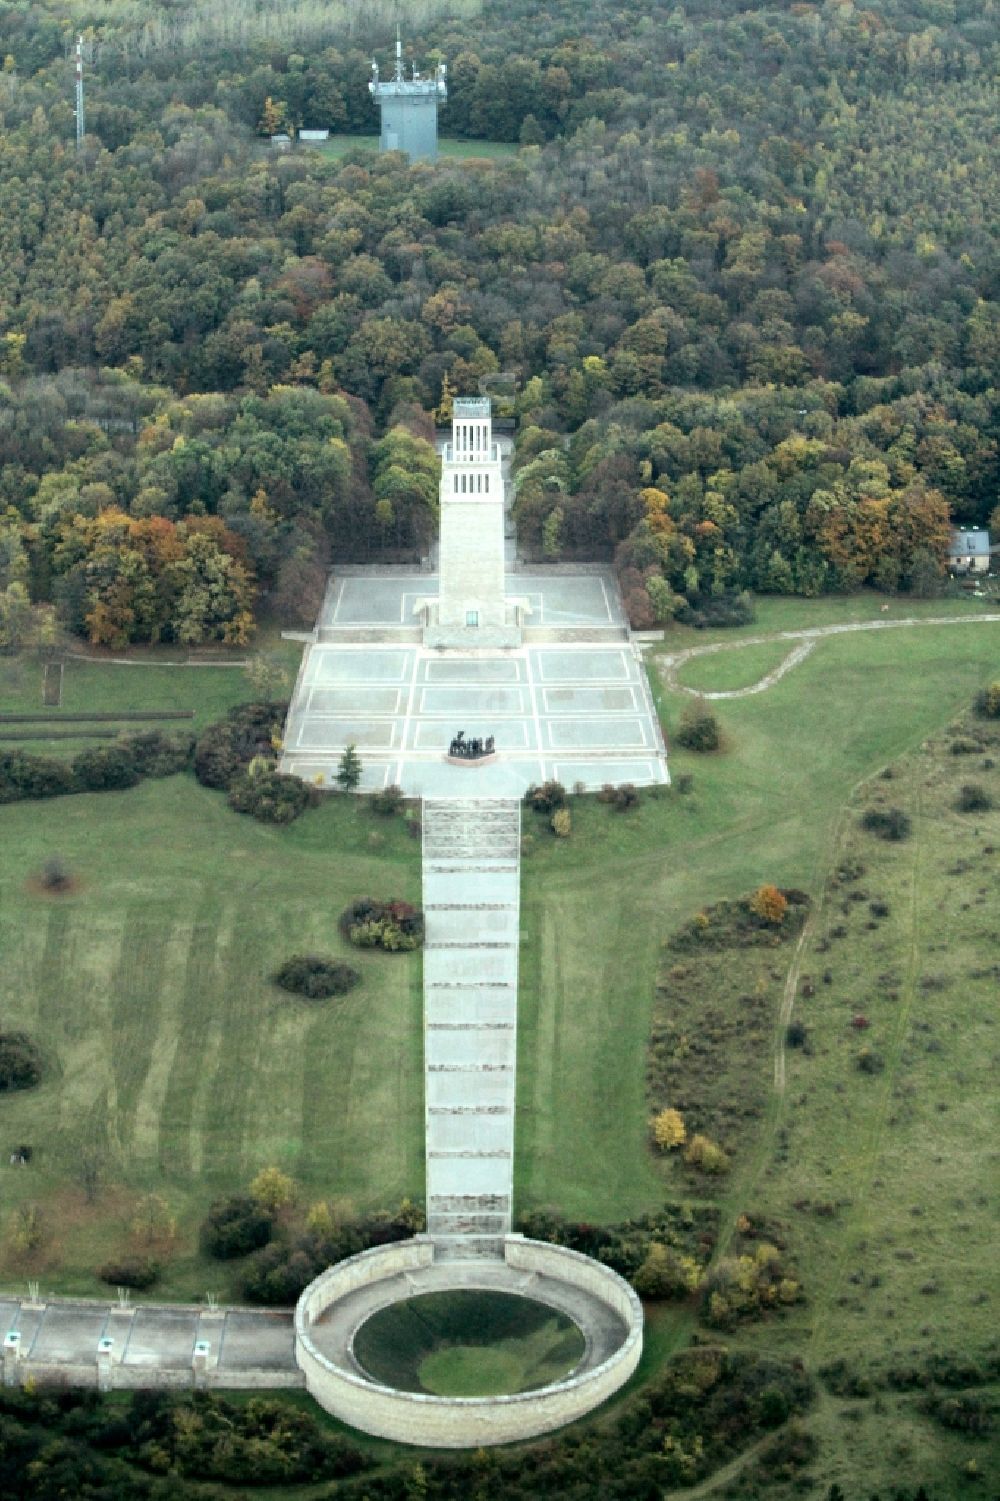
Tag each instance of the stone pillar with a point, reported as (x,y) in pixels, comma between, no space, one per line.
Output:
(200,1362)
(105,1380)
(11,1358)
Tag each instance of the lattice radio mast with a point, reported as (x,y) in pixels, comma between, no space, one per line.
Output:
(79,93)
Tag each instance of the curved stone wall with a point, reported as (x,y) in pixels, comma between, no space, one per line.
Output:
(463,1422)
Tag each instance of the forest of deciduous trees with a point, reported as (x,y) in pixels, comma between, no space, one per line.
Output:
(739,286)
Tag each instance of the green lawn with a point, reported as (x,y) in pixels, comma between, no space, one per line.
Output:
(468,1343)
(790,612)
(154,680)
(736,667)
(173,1060)
(448,150)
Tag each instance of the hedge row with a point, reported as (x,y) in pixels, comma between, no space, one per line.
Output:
(12,737)
(126,716)
(104,768)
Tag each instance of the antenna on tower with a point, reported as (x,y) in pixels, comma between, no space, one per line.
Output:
(399,55)
(80,124)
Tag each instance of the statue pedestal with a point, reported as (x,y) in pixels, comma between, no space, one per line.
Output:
(472,761)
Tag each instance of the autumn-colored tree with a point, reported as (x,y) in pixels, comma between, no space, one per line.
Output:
(272,1189)
(668,1129)
(769,904)
(706,1155)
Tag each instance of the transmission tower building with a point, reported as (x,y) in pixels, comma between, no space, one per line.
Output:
(80,123)
(409,108)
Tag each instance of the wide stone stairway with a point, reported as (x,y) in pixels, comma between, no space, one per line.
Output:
(471,896)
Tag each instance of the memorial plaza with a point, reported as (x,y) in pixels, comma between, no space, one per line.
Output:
(575,707)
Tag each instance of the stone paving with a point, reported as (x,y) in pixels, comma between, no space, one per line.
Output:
(471,897)
(107,1345)
(578,712)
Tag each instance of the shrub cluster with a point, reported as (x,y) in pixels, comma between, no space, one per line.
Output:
(235,1226)
(20,1062)
(262,1442)
(104,768)
(315,977)
(699,1412)
(987,701)
(270,796)
(396,927)
(226,748)
(699,728)
(744,1287)
(277,1275)
(706,1155)
(687,1231)
(621,798)
(136,1272)
(973,798)
(387,801)
(707,611)
(887,823)
(749,921)
(547,798)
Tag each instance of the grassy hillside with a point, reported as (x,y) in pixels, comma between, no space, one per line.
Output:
(596,907)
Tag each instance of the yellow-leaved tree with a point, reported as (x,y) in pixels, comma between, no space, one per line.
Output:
(669,1130)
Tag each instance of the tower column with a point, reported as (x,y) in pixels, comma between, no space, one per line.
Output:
(472,608)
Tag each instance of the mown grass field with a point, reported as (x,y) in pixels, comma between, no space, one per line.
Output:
(736,667)
(175,1065)
(448,150)
(156,680)
(788,612)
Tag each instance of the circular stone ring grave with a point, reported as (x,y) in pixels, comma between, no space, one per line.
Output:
(335,1308)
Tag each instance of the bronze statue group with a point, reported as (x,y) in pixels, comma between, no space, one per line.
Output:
(470,750)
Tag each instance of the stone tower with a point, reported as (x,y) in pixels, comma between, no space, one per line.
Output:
(471,608)
(409,109)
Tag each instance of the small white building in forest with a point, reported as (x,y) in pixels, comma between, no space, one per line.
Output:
(969,550)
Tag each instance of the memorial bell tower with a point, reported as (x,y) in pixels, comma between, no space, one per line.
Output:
(471,608)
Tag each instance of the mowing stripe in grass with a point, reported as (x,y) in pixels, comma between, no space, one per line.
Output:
(136,988)
(52,988)
(205,996)
(149,1115)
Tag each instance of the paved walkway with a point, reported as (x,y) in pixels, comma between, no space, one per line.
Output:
(68,1341)
(471,895)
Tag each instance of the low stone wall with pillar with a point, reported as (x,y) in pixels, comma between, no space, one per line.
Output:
(337,1384)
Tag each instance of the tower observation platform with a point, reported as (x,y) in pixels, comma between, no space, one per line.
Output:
(409,108)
